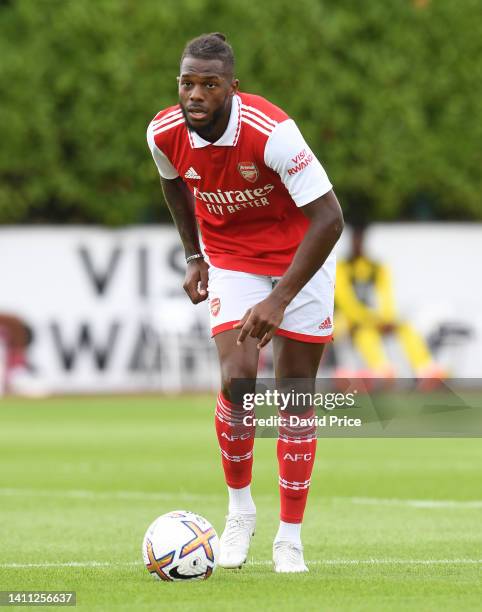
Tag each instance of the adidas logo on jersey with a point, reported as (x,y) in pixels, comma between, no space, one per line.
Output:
(326,324)
(192,174)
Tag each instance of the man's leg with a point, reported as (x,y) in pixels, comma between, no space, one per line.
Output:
(236,442)
(296,451)
(231,293)
(418,353)
(368,341)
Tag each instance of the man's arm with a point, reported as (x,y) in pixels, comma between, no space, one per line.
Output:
(181,206)
(326,226)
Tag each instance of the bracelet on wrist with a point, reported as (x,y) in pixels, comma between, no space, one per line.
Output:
(195,256)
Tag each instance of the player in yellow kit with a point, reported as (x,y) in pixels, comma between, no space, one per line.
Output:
(366,307)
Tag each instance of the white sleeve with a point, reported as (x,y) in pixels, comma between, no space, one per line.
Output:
(166,169)
(287,153)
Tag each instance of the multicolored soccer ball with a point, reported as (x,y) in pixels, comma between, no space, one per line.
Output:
(180,545)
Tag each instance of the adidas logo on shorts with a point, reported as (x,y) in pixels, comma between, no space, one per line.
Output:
(326,324)
(191,174)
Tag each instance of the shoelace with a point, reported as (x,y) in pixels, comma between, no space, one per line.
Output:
(235,531)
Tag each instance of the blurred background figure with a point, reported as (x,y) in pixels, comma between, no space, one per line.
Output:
(16,376)
(366,311)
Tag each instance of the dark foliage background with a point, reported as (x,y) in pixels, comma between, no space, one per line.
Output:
(388,94)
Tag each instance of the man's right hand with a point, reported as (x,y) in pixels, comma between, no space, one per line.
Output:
(196,280)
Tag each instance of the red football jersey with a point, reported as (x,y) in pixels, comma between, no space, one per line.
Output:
(247,186)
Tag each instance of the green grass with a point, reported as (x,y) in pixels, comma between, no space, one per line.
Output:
(81,479)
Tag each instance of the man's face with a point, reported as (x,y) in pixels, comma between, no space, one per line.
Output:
(205,93)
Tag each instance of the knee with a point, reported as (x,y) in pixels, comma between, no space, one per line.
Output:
(230,371)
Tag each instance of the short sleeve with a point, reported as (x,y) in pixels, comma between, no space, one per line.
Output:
(166,169)
(287,153)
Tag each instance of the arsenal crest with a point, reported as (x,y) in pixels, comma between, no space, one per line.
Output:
(215,306)
(249,171)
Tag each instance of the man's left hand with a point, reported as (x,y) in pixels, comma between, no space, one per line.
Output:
(261,321)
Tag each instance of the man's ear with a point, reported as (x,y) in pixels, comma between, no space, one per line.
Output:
(234,86)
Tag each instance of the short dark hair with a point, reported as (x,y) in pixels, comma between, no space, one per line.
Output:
(211,46)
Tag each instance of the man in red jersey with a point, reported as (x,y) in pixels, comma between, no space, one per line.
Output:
(238,166)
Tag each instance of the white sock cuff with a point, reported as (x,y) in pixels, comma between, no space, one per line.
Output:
(241,501)
(289,532)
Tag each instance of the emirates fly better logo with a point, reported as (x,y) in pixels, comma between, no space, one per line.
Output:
(249,171)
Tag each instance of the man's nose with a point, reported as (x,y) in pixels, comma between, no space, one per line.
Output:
(196,93)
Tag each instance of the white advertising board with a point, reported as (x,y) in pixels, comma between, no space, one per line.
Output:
(104,306)
(108,312)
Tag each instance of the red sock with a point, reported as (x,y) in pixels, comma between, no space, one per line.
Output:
(296,456)
(236,441)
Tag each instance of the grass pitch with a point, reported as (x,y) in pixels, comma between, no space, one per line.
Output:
(391,524)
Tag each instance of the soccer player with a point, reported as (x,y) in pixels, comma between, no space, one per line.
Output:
(238,166)
(16,375)
(366,304)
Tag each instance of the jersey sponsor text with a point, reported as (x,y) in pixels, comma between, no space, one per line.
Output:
(234,200)
(302,160)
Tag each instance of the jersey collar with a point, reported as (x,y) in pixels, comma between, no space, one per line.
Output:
(231,134)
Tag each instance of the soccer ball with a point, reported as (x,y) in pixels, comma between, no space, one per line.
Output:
(180,545)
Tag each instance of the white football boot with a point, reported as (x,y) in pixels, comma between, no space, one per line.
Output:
(288,558)
(234,543)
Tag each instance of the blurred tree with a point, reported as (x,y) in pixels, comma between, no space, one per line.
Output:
(387,94)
